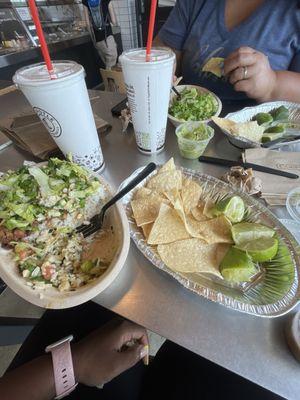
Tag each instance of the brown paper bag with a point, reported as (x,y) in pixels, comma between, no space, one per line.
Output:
(29,133)
(113,80)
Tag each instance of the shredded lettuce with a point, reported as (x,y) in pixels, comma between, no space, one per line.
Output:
(14,223)
(193,106)
(38,193)
(42,180)
(25,211)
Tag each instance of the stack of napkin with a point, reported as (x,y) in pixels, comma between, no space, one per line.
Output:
(29,133)
(275,188)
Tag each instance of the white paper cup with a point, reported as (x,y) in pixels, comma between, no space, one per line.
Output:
(148,87)
(64,107)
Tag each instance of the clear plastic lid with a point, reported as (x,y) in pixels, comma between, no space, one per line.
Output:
(293,204)
(38,73)
(139,55)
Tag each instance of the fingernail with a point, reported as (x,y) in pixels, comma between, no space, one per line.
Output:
(145,354)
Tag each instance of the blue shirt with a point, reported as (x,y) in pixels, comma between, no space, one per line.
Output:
(197,28)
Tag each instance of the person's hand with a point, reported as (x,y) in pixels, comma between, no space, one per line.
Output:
(105,353)
(249,71)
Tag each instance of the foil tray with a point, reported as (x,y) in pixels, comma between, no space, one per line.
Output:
(247,113)
(256,297)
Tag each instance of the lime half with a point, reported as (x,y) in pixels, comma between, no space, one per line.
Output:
(237,266)
(247,231)
(233,208)
(261,250)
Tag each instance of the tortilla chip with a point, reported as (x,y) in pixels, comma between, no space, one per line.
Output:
(190,256)
(168,166)
(214,65)
(142,193)
(168,227)
(172,196)
(178,207)
(190,194)
(145,210)
(216,230)
(194,232)
(207,209)
(198,214)
(166,181)
(249,130)
(146,230)
(224,123)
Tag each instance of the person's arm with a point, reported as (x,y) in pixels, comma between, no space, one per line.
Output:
(112,14)
(97,359)
(249,71)
(33,380)
(286,87)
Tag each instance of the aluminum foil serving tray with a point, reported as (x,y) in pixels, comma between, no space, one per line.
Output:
(260,297)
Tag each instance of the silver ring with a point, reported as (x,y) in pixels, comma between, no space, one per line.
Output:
(245,73)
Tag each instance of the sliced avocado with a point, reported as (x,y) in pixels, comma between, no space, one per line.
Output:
(280,114)
(275,129)
(264,119)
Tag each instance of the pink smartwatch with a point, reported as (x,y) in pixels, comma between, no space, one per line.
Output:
(62,367)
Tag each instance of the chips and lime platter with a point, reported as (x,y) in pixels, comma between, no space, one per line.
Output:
(246,119)
(216,241)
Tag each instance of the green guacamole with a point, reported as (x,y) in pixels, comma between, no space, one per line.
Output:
(193,138)
(198,133)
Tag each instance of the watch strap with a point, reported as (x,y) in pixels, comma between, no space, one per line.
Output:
(62,367)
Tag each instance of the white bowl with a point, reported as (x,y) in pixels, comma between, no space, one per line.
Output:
(246,115)
(176,122)
(52,297)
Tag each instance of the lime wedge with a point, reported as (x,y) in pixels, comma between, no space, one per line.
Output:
(247,231)
(233,208)
(267,137)
(237,266)
(261,250)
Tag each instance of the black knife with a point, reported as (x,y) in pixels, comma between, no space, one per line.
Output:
(261,168)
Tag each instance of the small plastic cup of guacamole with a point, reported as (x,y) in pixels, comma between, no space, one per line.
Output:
(193,138)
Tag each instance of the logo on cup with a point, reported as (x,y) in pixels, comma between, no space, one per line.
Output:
(52,125)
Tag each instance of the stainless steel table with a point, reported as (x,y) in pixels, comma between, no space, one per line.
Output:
(252,347)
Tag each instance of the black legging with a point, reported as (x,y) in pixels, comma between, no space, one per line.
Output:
(175,373)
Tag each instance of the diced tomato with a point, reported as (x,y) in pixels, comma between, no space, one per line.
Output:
(23,254)
(47,271)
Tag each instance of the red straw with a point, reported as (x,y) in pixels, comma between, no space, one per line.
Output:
(151,28)
(40,33)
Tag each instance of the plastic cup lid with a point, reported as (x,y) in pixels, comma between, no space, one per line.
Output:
(293,204)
